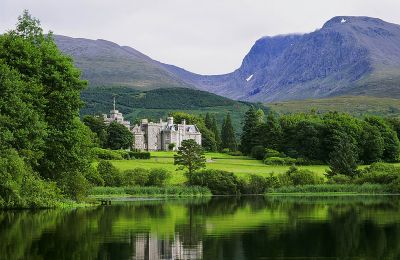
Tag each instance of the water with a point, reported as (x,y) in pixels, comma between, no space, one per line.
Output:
(214,228)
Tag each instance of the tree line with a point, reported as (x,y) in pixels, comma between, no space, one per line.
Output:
(338,139)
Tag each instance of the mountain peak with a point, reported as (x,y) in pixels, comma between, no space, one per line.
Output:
(354,20)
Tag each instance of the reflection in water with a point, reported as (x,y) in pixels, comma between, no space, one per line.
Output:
(218,228)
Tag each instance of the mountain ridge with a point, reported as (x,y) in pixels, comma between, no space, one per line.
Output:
(348,55)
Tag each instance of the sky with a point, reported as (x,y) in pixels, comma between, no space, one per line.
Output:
(202,36)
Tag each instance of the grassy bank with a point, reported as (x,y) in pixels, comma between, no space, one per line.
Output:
(328,189)
(242,166)
(168,191)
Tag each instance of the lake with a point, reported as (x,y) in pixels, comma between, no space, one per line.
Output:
(253,227)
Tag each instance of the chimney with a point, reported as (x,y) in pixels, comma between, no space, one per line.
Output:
(170,120)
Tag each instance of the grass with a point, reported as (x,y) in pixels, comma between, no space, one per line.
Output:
(168,191)
(328,189)
(242,166)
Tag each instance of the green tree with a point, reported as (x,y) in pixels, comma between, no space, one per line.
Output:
(228,139)
(118,136)
(208,121)
(214,129)
(191,156)
(270,132)
(343,159)
(49,86)
(249,136)
(372,144)
(97,126)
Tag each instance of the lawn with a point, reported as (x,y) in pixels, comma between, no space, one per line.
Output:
(242,166)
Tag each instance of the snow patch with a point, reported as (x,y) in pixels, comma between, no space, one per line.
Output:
(249,78)
(343,20)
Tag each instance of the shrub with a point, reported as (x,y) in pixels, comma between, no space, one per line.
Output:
(110,174)
(93,176)
(158,177)
(235,153)
(255,185)
(139,155)
(219,182)
(258,152)
(304,177)
(171,146)
(379,173)
(106,154)
(340,179)
(75,185)
(272,153)
(137,176)
(279,161)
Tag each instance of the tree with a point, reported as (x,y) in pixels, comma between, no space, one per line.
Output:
(208,121)
(249,136)
(47,87)
(214,129)
(270,133)
(97,126)
(343,159)
(191,156)
(118,136)
(228,139)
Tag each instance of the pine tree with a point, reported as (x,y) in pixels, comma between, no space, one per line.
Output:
(228,139)
(214,129)
(249,134)
(208,121)
(270,133)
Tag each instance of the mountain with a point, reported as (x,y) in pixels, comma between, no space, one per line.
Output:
(105,63)
(347,56)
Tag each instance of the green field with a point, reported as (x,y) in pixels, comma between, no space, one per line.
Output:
(242,166)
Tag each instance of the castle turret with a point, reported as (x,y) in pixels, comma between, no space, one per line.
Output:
(170,120)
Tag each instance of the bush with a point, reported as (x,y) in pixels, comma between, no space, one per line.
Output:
(272,153)
(340,179)
(110,174)
(158,177)
(258,152)
(255,185)
(379,173)
(304,177)
(235,153)
(279,161)
(219,182)
(75,185)
(139,155)
(93,176)
(106,154)
(137,176)
(151,191)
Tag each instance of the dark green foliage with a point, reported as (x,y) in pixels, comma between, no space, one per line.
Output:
(333,188)
(256,185)
(379,173)
(137,176)
(391,142)
(303,177)
(372,144)
(20,187)
(174,191)
(118,137)
(39,110)
(249,136)
(111,175)
(219,182)
(258,152)
(269,133)
(171,146)
(228,139)
(158,177)
(343,158)
(97,126)
(272,153)
(340,179)
(139,155)
(190,156)
(94,177)
(216,132)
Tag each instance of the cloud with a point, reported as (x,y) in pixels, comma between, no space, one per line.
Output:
(208,36)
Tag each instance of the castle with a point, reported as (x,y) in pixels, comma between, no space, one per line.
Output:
(151,136)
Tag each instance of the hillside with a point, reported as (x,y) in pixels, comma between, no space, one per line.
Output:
(357,106)
(158,103)
(104,63)
(347,56)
